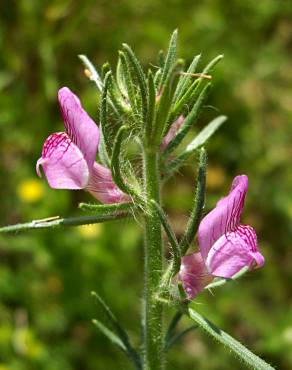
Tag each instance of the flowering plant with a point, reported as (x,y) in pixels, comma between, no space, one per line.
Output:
(152,114)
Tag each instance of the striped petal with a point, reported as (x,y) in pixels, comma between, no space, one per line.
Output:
(224,217)
(63,163)
(233,251)
(81,129)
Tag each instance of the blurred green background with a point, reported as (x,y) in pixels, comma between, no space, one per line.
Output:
(46,276)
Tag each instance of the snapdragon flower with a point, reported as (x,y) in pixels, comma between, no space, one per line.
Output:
(68,158)
(225,245)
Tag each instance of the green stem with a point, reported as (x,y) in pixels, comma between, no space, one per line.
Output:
(153,336)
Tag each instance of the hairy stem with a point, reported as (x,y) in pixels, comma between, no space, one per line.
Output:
(152,315)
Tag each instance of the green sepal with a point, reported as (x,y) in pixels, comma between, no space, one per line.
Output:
(140,78)
(169,60)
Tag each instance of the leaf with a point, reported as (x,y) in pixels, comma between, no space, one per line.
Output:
(238,349)
(140,77)
(52,222)
(185,80)
(169,59)
(94,76)
(205,134)
(110,335)
(165,102)
(116,165)
(170,234)
(106,208)
(198,206)
(198,141)
(174,339)
(120,337)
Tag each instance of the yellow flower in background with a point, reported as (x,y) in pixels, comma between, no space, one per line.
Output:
(30,190)
(89,231)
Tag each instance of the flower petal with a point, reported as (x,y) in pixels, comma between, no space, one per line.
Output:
(63,163)
(172,132)
(102,187)
(224,217)
(193,274)
(233,251)
(82,130)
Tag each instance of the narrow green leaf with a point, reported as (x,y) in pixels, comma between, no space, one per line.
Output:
(94,76)
(161,59)
(110,335)
(157,78)
(120,77)
(106,208)
(104,113)
(165,101)
(102,152)
(176,338)
(190,96)
(151,105)
(239,350)
(205,134)
(119,331)
(198,206)
(141,79)
(170,234)
(172,325)
(109,124)
(188,122)
(52,222)
(116,165)
(199,140)
(105,69)
(185,80)
(169,60)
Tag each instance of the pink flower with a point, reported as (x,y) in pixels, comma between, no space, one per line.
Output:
(225,245)
(68,158)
